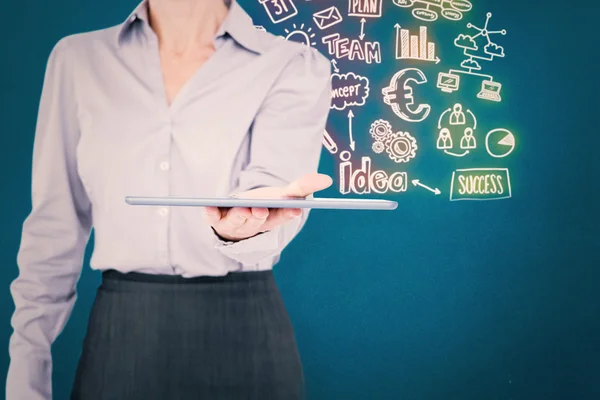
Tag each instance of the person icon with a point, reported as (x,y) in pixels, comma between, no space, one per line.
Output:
(458,116)
(444,139)
(468,140)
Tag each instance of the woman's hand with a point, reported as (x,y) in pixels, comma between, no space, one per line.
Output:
(239,223)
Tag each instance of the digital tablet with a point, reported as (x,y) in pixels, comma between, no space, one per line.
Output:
(317,203)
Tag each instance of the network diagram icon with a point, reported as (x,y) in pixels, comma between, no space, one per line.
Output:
(490,90)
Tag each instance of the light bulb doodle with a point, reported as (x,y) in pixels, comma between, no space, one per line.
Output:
(399,95)
(413,47)
(279,10)
(363,180)
(300,35)
(327,18)
(480,184)
(499,143)
(400,146)
(352,49)
(490,90)
(348,89)
(457,122)
(450,9)
(365,8)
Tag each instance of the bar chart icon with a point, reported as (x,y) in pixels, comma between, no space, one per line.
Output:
(414,47)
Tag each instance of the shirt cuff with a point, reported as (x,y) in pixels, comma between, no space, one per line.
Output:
(254,249)
(29,378)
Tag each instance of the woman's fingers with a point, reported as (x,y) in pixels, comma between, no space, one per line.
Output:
(232,221)
(240,223)
(253,224)
(212,215)
(280,216)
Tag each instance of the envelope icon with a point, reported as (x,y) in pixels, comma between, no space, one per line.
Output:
(327,17)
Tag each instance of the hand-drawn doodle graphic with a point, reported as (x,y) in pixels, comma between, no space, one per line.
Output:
(490,90)
(348,89)
(408,92)
(454,121)
(399,95)
(352,142)
(279,10)
(327,18)
(329,143)
(400,146)
(414,47)
(352,49)
(435,191)
(499,143)
(363,180)
(480,184)
(450,9)
(365,8)
(301,35)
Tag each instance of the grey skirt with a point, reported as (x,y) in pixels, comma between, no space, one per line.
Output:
(167,337)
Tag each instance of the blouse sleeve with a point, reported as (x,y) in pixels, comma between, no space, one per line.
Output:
(286,143)
(54,237)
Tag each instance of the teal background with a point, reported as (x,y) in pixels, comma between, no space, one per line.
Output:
(438,299)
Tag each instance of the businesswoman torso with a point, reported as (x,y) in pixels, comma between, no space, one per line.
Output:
(188,307)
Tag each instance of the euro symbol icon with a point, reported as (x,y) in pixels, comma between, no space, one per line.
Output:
(399,95)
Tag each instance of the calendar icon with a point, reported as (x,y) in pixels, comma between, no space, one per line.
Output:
(279,10)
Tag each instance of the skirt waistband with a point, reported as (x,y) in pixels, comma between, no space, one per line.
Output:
(246,276)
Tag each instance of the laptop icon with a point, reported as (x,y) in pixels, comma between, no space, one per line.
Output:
(490,91)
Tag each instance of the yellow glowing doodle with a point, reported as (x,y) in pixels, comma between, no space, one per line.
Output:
(401,147)
(499,143)
(414,47)
(490,90)
(480,184)
(364,180)
(399,95)
(456,122)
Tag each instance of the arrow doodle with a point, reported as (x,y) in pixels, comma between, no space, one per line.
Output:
(416,182)
(350,116)
(334,63)
(362,29)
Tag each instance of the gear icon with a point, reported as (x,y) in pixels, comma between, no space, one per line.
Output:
(401,146)
(378,147)
(380,129)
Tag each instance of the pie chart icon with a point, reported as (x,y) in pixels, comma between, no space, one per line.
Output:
(499,143)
